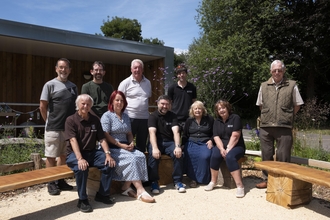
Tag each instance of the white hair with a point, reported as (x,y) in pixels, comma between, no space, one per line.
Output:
(275,62)
(138,61)
(83,97)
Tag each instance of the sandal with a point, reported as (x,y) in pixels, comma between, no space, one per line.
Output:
(150,199)
(129,192)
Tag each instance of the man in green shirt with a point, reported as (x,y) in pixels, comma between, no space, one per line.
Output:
(99,90)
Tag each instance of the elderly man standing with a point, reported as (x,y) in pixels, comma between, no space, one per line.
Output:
(164,139)
(82,131)
(56,104)
(137,89)
(279,100)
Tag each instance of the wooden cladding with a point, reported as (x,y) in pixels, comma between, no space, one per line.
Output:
(23,76)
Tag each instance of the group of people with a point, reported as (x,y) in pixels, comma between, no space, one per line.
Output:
(109,129)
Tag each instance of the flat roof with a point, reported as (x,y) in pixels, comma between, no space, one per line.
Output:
(37,40)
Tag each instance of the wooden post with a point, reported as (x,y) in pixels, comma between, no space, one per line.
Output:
(228,180)
(287,192)
(36,158)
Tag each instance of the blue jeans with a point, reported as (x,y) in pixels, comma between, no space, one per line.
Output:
(94,158)
(231,158)
(165,147)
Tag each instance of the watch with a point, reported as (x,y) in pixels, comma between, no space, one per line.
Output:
(107,152)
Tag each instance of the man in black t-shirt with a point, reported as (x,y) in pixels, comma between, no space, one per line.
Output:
(183,94)
(164,139)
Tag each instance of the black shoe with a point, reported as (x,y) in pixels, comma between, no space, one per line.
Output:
(53,189)
(104,199)
(84,206)
(62,185)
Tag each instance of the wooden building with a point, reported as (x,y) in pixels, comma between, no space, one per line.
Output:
(28,54)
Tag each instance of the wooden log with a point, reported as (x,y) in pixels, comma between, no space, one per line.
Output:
(228,180)
(287,192)
(36,158)
(93,183)
(165,170)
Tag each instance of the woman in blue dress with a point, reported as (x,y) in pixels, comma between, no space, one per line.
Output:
(197,141)
(130,163)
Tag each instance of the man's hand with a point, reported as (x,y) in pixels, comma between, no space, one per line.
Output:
(177,152)
(110,161)
(82,164)
(156,153)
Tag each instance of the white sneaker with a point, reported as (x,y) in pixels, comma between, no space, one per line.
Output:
(240,192)
(209,187)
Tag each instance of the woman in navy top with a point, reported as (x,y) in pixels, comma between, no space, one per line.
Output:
(227,134)
(197,141)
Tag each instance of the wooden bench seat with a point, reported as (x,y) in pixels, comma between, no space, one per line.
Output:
(34,177)
(291,184)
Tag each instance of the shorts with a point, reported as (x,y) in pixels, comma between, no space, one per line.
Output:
(55,144)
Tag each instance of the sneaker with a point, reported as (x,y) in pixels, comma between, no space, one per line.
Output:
(180,187)
(239,192)
(104,199)
(62,185)
(154,188)
(209,187)
(53,189)
(84,206)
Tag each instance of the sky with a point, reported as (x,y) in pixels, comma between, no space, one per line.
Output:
(172,21)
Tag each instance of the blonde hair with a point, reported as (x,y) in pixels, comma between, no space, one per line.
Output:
(197,104)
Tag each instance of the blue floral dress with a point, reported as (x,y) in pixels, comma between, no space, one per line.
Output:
(130,165)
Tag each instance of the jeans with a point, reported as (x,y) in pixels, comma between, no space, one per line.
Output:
(231,158)
(165,147)
(95,158)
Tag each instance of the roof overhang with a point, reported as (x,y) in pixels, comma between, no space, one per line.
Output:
(24,38)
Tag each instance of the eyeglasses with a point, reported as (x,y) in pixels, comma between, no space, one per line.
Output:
(98,70)
(277,70)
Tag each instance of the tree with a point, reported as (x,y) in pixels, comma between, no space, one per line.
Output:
(122,28)
(153,41)
(245,36)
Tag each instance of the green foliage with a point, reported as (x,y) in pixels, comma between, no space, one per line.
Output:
(254,143)
(313,115)
(16,150)
(122,28)
(317,153)
(153,41)
(248,35)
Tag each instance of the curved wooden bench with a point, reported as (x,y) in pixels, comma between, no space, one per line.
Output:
(291,184)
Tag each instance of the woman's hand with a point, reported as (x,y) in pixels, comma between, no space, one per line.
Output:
(209,144)
(223,152)
(128,147)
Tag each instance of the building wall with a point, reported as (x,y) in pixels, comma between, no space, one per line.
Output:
(23,76)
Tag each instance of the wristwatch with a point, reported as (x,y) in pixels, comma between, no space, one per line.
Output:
(107,152)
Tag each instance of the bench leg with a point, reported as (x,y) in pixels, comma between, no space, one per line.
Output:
(287,192)
(228,180)
(93,183)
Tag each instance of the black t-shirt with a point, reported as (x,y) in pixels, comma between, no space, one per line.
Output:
(86,132)
(163,124)
(225,129)
(182,99)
